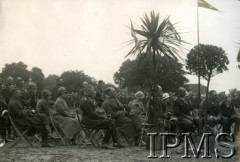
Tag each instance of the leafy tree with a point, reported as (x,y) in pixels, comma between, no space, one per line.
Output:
(50,82)
(156,39)
(37,76)
(16,70)
(207,61)
(135,75)
(73,80)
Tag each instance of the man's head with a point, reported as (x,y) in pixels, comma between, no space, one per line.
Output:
(46,94)
(213,95)
(9,81)
(19,82)
(181,92)
(89,91)
(59,81)
(16,93)
(139,95)
(229,98)
(110,91)
(100,82)
(85,84)
(61,91)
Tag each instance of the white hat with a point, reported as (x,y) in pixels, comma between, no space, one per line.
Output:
(165,96)
(139,94)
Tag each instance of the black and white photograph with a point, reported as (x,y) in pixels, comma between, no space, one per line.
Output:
(119,80)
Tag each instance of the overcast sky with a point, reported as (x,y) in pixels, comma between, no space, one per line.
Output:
(61,35)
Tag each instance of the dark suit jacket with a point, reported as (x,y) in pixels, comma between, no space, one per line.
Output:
(113,107)
(90,118)
(17,112)
(43,107)
(181,108)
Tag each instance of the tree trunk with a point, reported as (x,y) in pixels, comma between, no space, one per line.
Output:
(206,106)
(155,102)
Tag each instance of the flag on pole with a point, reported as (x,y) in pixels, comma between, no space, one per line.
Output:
(204,4)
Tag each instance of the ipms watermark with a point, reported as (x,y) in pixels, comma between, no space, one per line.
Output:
(190,146)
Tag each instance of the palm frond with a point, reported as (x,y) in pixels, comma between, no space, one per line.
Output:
(162,38)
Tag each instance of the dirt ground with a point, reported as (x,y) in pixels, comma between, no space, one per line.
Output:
(92,154)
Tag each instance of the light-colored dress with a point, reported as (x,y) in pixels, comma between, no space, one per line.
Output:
(136,110)
(63,118)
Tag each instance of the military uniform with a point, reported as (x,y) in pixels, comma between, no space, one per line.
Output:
(95,121)
(25,118)
(182,110)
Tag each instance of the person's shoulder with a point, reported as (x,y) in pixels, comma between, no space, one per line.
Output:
(14,101)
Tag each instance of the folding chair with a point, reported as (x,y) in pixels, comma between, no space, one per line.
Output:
(56,130)
(122,135)
(145,127)
(90,134)
(20,133)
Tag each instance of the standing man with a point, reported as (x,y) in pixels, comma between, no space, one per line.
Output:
(99,95)
(58,85)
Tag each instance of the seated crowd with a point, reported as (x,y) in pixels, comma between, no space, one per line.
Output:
(115,113)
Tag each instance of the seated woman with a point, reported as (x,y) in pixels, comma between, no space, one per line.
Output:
(95,121)
(62,116)
(136,110)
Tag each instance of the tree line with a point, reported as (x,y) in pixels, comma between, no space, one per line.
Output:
(73,80)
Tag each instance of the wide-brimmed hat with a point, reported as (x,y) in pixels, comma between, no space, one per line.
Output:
(61,90)
(45,93)
(165,96)
(139,95)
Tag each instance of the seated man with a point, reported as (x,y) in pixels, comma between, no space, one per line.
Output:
(117,112)
(228,112)
(95,121)
(24,118)
(182,110)
(62,116)
(213,111)
(43,107)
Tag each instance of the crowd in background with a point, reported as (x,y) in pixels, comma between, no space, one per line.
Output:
(103,107)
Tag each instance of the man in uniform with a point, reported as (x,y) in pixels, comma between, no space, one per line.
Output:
(25,118)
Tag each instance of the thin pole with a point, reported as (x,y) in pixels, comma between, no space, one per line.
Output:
(199,83)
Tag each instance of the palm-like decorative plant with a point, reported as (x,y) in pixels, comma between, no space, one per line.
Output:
(153,39)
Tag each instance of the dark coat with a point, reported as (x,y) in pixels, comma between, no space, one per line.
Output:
(3,104)
(43,107)
(113,108)
(17,112)
(151,112)
(213,108)
(7,93)
(181,108)
(90,118)
(227,111)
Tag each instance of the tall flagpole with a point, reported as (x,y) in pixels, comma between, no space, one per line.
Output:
(199,87)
